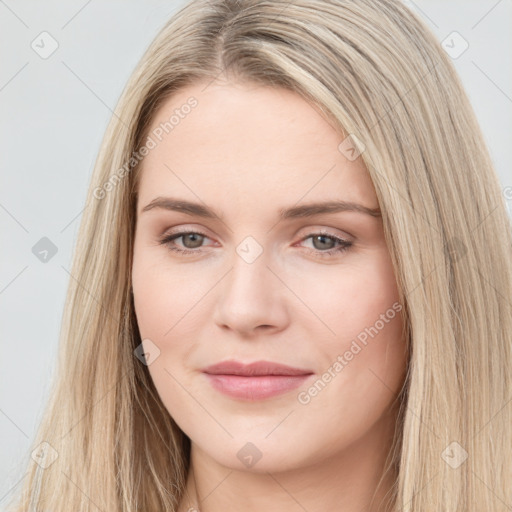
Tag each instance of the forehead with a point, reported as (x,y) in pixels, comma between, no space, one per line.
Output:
(241,143)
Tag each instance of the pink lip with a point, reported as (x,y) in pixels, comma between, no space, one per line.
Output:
(262,379)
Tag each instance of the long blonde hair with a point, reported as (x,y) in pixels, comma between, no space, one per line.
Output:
(378,74)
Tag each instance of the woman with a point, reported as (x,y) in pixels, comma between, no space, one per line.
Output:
(215,355)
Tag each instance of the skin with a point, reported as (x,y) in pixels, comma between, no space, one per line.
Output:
(247,151)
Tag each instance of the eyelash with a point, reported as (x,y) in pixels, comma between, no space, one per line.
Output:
(345,245)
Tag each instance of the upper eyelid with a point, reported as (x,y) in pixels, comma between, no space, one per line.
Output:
(334,231)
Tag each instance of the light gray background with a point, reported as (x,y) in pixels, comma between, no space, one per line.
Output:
(53,115)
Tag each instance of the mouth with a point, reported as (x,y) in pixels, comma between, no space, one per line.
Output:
(255,381)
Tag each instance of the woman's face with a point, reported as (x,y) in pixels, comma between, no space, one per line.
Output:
(257,284)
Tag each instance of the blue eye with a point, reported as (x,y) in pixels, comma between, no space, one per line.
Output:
(169,241)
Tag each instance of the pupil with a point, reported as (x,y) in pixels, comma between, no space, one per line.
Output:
(190,237)
(320,237)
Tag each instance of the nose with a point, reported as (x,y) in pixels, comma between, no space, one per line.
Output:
(251,298)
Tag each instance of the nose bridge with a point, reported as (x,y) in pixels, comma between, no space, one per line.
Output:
(249,295)
(250,266)
(250,250)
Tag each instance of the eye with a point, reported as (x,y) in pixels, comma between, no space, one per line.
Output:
(193,241)
(319,239)
(193,238)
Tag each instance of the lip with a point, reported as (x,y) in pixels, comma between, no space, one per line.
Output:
(255,381)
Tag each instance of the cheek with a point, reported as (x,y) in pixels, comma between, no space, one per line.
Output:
(162,295)
(169,307)
(163,300)
(362,310)
(353,297)
(153,305)
(364,363)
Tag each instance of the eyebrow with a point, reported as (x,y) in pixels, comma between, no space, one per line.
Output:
(306,210)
